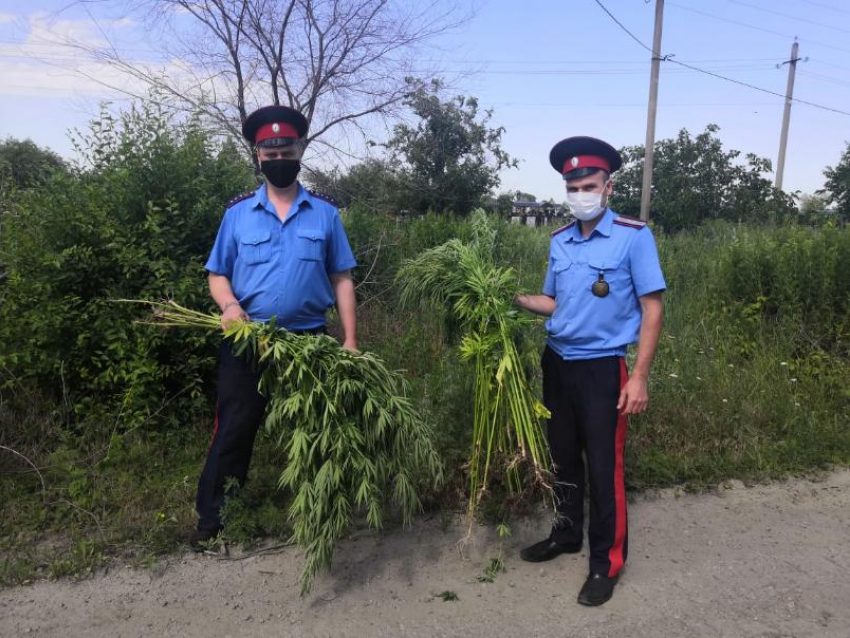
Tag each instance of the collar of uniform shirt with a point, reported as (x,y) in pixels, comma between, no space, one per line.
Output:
(603,227)
(261,198)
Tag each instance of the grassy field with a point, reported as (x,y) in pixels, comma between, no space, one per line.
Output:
(749,383)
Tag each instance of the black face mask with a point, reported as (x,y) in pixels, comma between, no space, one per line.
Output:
(281,172)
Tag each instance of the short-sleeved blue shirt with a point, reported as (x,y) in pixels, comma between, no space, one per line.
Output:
(585,326)
(281,269)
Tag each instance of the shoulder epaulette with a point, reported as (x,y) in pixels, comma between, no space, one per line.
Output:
(239,198)
(630,222)
(325,198)
(562,229)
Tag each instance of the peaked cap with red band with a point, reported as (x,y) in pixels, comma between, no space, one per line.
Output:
(274,126)
(579,156)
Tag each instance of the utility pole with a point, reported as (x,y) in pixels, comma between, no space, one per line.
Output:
(786,118)
(649,147)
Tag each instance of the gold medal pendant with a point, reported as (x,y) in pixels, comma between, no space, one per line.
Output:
(600,286)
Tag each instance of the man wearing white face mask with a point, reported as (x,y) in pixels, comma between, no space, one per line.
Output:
(603,292)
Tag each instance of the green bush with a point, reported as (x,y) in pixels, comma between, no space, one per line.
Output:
(135,222)
(749,380)
(750,376)
(795,278)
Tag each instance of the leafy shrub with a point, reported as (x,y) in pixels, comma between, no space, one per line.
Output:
(135,221)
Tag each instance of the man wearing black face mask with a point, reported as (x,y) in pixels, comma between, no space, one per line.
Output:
(281,252)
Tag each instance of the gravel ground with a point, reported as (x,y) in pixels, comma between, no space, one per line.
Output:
(770,560)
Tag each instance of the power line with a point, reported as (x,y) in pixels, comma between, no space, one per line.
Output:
(64,52)
(69,45)
(668,58)
(611,72)
(755,28)
(786,15)
(623,27)
(633,104)
(825,78)
(573,62)
(758,88)
(826,6)
(52,89)
(637,67)
(25,44)
(830,64)
(738,22)
(640,70)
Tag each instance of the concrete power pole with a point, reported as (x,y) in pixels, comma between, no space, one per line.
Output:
(649,147)
(786,118)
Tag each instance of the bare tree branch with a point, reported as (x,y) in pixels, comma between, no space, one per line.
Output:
(336,61)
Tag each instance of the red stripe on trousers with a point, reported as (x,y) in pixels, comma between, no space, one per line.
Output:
(615,554)
(215,432)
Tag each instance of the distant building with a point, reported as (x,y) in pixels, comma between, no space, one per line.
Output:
(538,213)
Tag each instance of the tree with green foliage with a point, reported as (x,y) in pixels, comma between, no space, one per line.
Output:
(814,208)
(136,221)
(501,204)
(520,196)
(371,183)
(447,162)
(837,187)
(24,164)
(695,180)
(451,157)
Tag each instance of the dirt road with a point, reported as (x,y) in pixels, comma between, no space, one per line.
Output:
(770,560)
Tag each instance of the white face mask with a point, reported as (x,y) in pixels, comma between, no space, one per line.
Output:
(585,206)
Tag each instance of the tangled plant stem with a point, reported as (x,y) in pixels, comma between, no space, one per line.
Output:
(350,436)
(476,297)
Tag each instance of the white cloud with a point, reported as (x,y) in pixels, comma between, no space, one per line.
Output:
(6,18)
(67,60)
(43,29)
(55,58)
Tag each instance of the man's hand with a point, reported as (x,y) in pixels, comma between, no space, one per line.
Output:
(633,396)
(537,304)
(346,306)
(233,312)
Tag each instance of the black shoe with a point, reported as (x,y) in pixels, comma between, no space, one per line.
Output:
(597,590)
(547,550)
(200,538)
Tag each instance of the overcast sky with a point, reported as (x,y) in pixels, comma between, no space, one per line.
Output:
(549,69)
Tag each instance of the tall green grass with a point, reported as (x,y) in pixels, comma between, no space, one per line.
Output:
(749,382)
(750,377)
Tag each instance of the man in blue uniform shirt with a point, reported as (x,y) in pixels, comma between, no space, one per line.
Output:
(282,252)
(603,292)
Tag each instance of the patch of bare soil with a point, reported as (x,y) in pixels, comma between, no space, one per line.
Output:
(771,560)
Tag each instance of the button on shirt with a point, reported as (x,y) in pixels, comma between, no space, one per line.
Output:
(585,326)
(281,269)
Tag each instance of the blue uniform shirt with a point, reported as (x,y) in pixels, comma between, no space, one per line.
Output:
(282,268)
(585,326)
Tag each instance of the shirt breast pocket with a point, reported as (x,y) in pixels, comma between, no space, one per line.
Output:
(612,271)
(310,245)
(562,271)
(256,248)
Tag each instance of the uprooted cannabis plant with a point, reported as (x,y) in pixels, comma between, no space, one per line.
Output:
(476,298)
(349,434)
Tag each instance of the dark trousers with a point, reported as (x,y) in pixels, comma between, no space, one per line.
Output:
(582,397)
(239,413)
